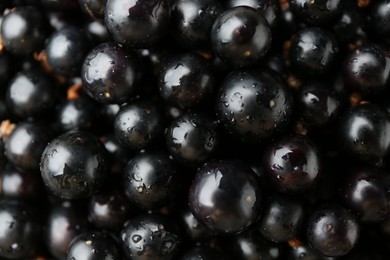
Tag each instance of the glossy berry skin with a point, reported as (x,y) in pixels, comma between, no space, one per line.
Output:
(379,19)
(366,192)
(313,52)
(93,246)
(318,103)
(150,180)
(74,165)
(253,105)
(77,113)
(193,229)
(191,138)
(252,245)
(138,124)
(240,36)
(192,21)
(93,8)
(364,133)
(317,12)
(281,218)
(66,49)
(23,30)
(150,237)
(332,231)
(108,73)
(349,26)
(186,80)
(30,93)
(292,164)
(97,31)
(118,155)
(137,24)
(225,197)
(366,69)
(18,185)
(19,230)
(64,222)
(268,8)
(24,146)
(108,210)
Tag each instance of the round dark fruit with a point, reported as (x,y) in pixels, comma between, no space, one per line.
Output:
(318,12)
(191,138)
(186,80)
(150,180)
(365,133)
(66,49)
(332,230)
(137,24)
(93,246)
(313,52)
(225,197)
(150,236)
(74,165)
(241,36)
(138,124)
(292,164)
(23,30)
(254,104)
(19,230)
(108,73)
(192,21)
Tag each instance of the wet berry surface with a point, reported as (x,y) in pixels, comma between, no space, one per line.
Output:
(195,129)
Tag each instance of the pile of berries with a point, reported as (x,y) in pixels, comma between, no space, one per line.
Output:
(194,129)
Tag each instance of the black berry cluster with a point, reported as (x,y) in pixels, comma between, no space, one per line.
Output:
(194,129)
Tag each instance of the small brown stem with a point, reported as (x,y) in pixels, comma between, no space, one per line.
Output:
(293,81)
(73,91)
(6,128)
(300,128)
(294,242)
(1,45)
(363,3)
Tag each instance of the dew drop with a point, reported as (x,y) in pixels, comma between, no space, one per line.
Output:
(136,238)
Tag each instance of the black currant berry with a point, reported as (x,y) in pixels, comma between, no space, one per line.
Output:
(192,21)
(365,133)
(150,237)
(313,52)
(225,197)
(66,49)
(108,73)
(367,70)
(254,104)
(93,246)
(138,124)
(186,80)
(191,138)
(281,218)
(24,146)
(150,180)
(74,165)
(292,164)
(332,230)
(316,12)
(367,193)
(23,30)
(241,36)
(137,24)
(19,230)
